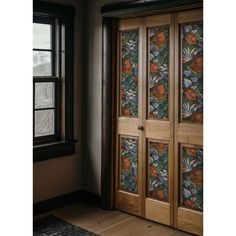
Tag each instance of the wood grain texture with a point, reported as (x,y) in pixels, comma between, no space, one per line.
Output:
(126,201)
(172,131)
(158,211)
(161,130)
(190,220)
(128,126)
(190,133)
(112,223)
(156,20)
(130,24)
(158,129)
(185,133)
(190,16)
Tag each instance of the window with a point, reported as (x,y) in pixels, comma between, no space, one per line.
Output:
(52,80)
(46,80)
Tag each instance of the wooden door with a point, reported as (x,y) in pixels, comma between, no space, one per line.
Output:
(129,189)
(159,118)
(159,147)
(188,150)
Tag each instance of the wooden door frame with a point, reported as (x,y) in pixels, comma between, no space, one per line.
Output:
(110,15)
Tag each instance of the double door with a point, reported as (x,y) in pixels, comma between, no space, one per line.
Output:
(159,147)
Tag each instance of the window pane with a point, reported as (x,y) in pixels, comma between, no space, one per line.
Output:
(44,122)
(44,95)
(42,65)
(42,36)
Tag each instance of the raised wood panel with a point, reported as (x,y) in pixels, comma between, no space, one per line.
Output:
(190,134)
(128,126)
(190,16)
(129,24)
(191,221)
(186,133)
(166,130)
(158,211)
(156,20)
(158,129)
(128,202)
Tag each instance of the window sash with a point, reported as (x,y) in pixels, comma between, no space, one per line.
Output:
(64,70)
(55,40)
(54,78)
(56,108)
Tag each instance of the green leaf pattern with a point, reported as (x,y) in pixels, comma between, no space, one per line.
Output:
(129,74)
(158,72)
(158,171)
(129,164)
(192,178)
(192,72)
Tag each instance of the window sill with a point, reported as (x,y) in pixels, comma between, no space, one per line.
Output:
(53,150)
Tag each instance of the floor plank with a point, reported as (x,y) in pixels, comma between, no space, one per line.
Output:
(112,223)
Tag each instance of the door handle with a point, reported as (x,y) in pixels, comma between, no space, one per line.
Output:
(140,127)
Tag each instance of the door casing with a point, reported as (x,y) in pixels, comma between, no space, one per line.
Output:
(109,89)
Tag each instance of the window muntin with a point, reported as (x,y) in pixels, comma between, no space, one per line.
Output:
(61,19)
(46,89)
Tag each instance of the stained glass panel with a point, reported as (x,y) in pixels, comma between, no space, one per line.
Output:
(158,72)
(192,177)
(192,72)
(128,164)
(129,74)
(158,170)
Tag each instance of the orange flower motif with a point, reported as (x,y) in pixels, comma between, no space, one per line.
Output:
(160,194)
(152,170)
(158,91)
(151,115)
(190,94)
(125,111)
(126,65)
(190,151)
(189,203)
(197,64)
(160,146)
(197,117)
(191,38)
(159,38)
(155,193)
(122,93)
(197,176)
(126,163)
(153,67)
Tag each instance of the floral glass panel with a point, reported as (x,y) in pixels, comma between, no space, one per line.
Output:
(129,74)
(158,72)
(129,164)
(158,171)
(192,178)
(192,72)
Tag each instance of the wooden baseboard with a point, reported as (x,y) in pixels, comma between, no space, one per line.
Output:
(66,199)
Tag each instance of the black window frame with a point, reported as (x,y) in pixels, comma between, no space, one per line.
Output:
(53,78)
(62,143)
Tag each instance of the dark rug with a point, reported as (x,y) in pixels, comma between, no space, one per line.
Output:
(52,226)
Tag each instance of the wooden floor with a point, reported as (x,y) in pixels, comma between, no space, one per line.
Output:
(112,223)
